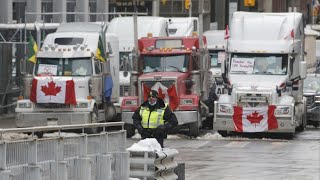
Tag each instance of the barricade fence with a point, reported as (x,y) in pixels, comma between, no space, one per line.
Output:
(101,156)
(150,165)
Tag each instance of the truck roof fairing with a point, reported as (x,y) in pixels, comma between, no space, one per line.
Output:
(270,32)
(215,39)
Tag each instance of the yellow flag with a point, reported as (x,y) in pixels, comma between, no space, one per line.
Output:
(33,49)
(100,51)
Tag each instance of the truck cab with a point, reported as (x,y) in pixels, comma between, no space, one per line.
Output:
(217,45)
(311,90)
(70,84)
(123,28)
(264,73)
(173,67)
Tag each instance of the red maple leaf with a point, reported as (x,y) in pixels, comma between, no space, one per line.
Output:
(51,89)
(255,118)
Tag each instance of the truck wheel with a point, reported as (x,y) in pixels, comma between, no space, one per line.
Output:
(223,133)
(303,124)
(194,129)
(39,134)
(130,130)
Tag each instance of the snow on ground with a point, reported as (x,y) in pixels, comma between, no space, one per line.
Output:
(15,136)
(61,134)
(149,144)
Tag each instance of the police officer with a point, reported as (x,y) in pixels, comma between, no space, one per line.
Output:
(154,118)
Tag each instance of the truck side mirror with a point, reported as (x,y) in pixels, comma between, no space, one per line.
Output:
(223,70)
(303,69)
(278,91)
(230,90)
(125,63)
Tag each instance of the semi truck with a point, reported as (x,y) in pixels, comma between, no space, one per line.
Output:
(178,68)
(70,84)
(217,45)
(182,26)
(264,73)
(123,27)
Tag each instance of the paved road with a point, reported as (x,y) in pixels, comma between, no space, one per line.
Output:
(213,157)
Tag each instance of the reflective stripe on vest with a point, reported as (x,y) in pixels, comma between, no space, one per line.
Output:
(152,119)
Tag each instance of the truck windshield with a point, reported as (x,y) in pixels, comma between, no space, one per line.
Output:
(174,63)
(63,67)
(125,57)
(261,64)
(216,57)
(311,83)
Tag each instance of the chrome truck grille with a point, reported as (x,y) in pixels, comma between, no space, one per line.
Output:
(310,100)
(151,84)
(253,99)
(124,90)
(51,106)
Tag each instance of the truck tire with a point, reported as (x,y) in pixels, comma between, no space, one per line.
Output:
(223,133)
(316,124)
(194,129)
(110,112)
(39,134)
(303,124)
(130,130)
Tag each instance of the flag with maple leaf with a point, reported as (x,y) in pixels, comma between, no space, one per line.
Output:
(254,119)
(167,94)
(48,90)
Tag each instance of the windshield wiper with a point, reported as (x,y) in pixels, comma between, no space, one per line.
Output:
(239,72)
(178,69)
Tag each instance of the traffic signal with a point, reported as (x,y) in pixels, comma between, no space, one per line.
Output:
(187,4)
(249,2)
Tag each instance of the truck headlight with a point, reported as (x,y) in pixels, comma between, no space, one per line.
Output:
(186,101)
(131,103)
(24,105)
(82,105)
(317,99)
(283,111)
(225,109)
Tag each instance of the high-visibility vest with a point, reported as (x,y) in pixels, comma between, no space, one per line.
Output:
(152,119)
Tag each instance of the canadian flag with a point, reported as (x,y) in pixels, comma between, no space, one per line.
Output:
(226,33)
(48,90)
(167,94)
(254,119)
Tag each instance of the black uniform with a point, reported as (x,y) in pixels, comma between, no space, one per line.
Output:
(159,133)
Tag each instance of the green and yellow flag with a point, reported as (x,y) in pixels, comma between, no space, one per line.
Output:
(32,49)
(100,51)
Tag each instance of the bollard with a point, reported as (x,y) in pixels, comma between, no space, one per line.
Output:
(180,171)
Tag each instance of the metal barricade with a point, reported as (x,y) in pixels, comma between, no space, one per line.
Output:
(153,164)
(78,157)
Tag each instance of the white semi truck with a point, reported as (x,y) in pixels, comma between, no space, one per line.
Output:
(123,27)
(264,73)
(69,84)
(182,26)
(217,45)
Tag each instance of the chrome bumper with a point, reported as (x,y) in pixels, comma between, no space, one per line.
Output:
(184,117)
(313,114)
(27,119)
(225,123)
